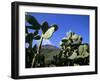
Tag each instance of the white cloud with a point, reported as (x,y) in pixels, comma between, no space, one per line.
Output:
(68,32)
(45,42)
(26,45)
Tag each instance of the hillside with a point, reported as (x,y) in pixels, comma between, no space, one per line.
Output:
(49,51)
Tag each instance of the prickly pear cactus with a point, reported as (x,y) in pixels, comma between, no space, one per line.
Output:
(33,57)
(74,52)
(83,51)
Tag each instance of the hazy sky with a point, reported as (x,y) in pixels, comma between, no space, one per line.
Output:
(76,23)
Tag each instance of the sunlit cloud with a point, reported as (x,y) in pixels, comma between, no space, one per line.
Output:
(46,42)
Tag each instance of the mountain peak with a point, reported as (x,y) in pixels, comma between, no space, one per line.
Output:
(47,46)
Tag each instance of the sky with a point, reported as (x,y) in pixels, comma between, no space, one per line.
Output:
(66,22)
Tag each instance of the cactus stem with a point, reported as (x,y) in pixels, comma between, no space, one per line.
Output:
(38,51)
(33,61)
(39,46)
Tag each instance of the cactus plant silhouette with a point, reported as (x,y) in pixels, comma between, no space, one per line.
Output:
(74,52)
(47,32)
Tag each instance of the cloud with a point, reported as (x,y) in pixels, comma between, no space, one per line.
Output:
(45,42)
(26,45)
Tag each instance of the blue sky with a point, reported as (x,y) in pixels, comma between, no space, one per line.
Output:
(76,23)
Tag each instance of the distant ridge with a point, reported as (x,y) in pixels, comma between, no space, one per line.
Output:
(49,47)
(49,51)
